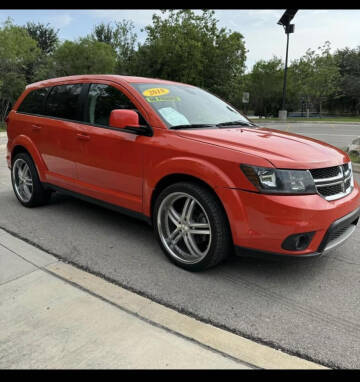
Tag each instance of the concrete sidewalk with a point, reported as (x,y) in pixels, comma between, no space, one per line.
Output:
(3,141)
(53,315)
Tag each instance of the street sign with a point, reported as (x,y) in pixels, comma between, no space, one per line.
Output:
(245,97)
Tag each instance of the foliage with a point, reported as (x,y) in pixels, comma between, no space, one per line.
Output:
(186,47)
(17,48)
(18,51)
(45,36)
(180,45)
(84,56)
(265,86)
(316,75)
(122,38)
(348,61)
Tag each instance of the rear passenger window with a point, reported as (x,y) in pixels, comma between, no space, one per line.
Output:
(64,102)
(102,100)
(34,102)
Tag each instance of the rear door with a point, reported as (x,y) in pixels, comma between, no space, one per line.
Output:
(29,119)
(60,148)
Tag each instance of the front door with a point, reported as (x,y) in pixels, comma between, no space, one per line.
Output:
(110,161)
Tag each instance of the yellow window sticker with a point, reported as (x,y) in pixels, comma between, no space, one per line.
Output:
(155,92)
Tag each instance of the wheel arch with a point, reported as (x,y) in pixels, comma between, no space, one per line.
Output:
(24,144)
(180,177)
(17,150)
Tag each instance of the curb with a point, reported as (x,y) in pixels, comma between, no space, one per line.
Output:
(250,354)
(222,341)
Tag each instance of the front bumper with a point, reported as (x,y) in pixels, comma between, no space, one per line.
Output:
(262,222)
(339,231)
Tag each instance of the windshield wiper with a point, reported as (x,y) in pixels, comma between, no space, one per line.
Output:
(235,123)
(192,126)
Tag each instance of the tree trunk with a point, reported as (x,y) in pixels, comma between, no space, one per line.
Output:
(4,110)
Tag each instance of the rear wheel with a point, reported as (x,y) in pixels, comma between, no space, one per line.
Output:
(191,226)
(26,183)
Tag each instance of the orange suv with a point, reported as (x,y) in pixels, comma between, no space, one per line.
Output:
(190,164)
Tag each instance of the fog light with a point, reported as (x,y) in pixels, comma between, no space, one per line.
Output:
(298,242)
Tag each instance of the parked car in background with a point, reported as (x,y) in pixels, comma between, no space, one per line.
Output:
(354,147)
(207,179)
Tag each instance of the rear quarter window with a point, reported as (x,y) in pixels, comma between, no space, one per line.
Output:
(33,103)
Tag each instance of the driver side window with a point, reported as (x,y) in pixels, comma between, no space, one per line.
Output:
(102,100)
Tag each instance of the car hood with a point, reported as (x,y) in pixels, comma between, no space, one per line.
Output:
(282,149)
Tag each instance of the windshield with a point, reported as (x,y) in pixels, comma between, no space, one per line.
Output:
(188,106)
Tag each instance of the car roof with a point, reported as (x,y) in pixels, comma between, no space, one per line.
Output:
(108,77)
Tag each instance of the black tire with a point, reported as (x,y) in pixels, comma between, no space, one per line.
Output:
(220,242)
(39,195)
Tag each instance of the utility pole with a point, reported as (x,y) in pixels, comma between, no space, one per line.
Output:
(289,28)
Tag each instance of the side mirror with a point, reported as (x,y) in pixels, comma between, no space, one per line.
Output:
(129,120)
(122,118)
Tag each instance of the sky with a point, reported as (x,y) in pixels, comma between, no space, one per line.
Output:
(264,39)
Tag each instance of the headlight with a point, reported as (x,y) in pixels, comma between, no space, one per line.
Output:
(278,181)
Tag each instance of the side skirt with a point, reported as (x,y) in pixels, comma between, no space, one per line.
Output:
(101,203)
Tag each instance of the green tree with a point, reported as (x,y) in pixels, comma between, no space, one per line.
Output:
(46,68)
(187,47)
(44,35)
(121,37)
(265,86)
(18,51)
(348,62)
(316,75)
(85,56)
(104,33)
(47,40)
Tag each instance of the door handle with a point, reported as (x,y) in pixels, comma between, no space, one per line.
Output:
(83,137)
(35,127)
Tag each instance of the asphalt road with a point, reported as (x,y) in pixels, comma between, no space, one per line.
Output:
(339,135)
(308,307)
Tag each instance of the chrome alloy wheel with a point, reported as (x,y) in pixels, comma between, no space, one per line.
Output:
(22,178)
(184,227)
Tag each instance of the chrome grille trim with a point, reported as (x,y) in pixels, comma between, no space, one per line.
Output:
(345,175)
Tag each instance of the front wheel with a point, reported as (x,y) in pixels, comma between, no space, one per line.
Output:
(191,226)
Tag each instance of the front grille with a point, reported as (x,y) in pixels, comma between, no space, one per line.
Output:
(333,182)
(330,190)
(324,173)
